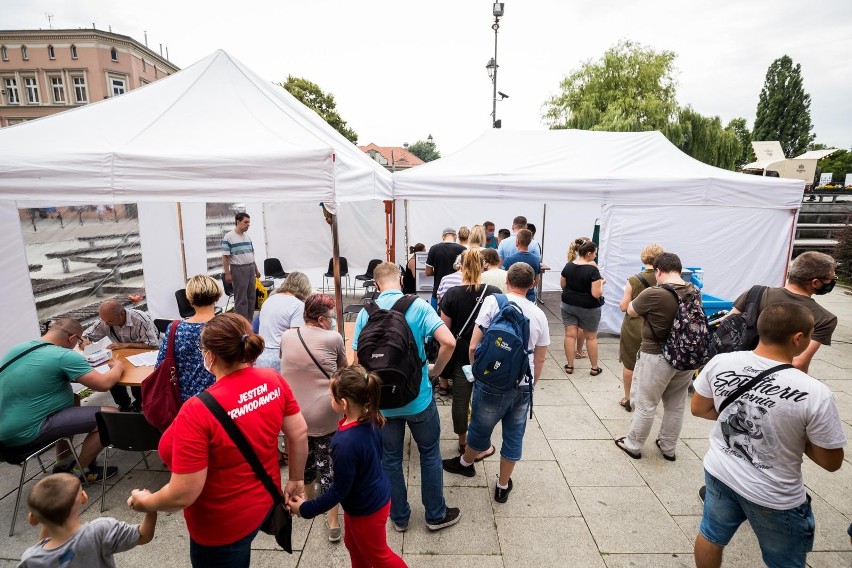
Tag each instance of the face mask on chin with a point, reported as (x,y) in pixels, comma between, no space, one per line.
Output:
(826,288)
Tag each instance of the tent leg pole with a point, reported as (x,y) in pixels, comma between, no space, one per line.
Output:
(405,233)
(182,249)
(543,227)
(338,294)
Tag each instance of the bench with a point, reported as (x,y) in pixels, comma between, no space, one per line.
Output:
(96,238)
(45,285)
(67,255)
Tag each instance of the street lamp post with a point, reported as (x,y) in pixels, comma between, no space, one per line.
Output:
(492,66)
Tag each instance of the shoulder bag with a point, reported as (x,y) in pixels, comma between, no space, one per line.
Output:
(19,355)
(473,311)
(744,388)
(311,355)
(161,390)
(278,522)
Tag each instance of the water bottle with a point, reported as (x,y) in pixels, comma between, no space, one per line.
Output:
(468,373)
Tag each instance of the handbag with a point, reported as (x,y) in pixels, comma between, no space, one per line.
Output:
(311,355)
(744,388)
(278,522)
(161,399)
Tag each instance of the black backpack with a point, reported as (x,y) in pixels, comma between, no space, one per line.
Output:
(387,347)
(739,331)
(688,341)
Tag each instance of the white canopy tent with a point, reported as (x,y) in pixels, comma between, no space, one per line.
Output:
(640,187)
(214,132)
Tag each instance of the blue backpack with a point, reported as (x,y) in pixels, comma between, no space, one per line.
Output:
(501,360)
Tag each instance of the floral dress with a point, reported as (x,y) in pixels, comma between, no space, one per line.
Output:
(192,377)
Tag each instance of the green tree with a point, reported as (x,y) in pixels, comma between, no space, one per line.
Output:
(425,150)
(630,89)
(705,139)
(784,108)
(838,163)
(740,127)
(310,95)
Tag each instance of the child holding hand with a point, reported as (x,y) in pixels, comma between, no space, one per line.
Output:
(55,503)
(360,485)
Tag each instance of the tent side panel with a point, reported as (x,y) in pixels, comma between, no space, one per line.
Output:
(736,247)
(161,257)
(17,303)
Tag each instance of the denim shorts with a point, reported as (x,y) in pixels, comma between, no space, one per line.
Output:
(785,536)
(487,409)
(587,319)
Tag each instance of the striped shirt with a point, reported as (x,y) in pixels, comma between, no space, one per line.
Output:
(137,328)
(238,247)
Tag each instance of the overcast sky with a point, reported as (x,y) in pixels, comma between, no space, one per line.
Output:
(401,70)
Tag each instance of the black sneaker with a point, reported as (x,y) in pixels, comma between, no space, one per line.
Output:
(451,517)
(454,465)
(502,495)
(96,473)
(125,408)
(65,468)
(702,492)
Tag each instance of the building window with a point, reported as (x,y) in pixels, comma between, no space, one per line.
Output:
(57,89)
(113,54)
(10,85)
(31,86)
(50,52)
(80,95)
(4,53)
(25,54)
(73,52)
(118,86)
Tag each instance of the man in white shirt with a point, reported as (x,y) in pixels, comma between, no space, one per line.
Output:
(511,408)
(753,469)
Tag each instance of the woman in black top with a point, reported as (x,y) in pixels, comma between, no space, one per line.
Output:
(459,308)
(409,281)
(582,290)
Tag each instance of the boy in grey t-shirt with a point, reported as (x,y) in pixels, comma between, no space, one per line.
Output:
(55,504)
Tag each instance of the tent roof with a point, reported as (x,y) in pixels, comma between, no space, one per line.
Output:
(213,131)
(586,166)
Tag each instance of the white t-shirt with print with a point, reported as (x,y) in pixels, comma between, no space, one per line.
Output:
(757,444)
(539,330)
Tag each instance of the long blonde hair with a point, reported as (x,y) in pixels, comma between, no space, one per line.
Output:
(471,268)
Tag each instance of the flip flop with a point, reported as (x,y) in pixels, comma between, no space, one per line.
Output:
(625,403)
(670,458)
(620,443)
(596,371)
(568,369)
(488,454)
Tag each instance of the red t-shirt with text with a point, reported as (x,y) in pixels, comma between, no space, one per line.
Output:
(233,502)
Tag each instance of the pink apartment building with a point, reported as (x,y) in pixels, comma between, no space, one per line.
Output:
(43,72)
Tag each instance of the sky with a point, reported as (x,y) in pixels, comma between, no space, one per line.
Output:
(401,70)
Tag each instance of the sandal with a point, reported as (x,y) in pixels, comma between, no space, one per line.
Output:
(595,371)
(568,369)
(620,443)
(625,402)
(670,458)
(581,354)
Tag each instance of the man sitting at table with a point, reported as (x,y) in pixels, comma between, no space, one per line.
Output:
(128,329)
(38,405)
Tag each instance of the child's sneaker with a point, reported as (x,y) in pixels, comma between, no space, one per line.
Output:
(96,473)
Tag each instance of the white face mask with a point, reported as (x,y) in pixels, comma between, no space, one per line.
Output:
(206,366)
(333,325)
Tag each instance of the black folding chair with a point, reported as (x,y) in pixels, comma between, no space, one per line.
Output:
(272,267)
(184,307)
(367,277)
(344,272)
(128,431)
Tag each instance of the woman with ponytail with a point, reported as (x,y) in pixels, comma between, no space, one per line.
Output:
(360,484)
(224,502)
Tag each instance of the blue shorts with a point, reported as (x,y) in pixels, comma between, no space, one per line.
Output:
(785,536)
(487,409)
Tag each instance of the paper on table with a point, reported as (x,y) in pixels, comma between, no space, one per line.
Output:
(103,369)
(145,359)
(97,346)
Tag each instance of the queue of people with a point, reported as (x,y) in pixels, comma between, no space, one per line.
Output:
(346,446)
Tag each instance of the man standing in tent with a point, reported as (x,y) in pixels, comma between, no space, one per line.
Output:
(240,269)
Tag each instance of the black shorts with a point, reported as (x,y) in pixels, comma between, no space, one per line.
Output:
(63,424)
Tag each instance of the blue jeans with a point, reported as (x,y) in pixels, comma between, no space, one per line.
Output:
(785,536)
(234,555)
(487,409)
(426,430)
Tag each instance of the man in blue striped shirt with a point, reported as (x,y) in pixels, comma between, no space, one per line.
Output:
(240,269)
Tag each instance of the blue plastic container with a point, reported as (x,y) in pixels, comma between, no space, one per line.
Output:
(712,304)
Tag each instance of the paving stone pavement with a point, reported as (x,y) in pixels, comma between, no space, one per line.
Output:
(577,500)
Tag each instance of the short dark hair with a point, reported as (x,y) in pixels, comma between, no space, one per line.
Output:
(779,322)
(240,216)
(52,499)
(520,221)
(488,224)
(810,265)
(668,262)
(521,275)
(524,237)
(532,228)
(504,233)
(490,256)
